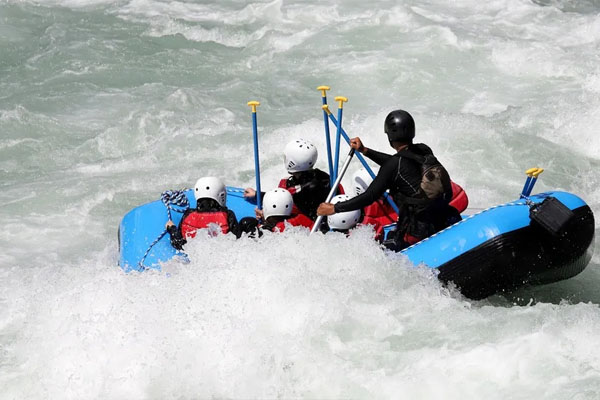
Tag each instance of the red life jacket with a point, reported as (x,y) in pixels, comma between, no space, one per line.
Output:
(198,220)
(294,220)
(460,201)
(379,214)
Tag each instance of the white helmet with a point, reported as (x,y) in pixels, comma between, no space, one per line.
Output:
(344,220)
(361,181)
(277,202)
(299,155)
(211,188)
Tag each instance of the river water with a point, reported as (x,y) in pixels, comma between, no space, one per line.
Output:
(105,104)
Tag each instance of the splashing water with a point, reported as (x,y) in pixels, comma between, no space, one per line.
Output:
(105,104)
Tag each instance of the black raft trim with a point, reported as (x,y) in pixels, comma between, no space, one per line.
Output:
(526,256)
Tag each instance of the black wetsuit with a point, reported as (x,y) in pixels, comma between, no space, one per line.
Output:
(203,206)
(308,190)
(402,176)
(315,188)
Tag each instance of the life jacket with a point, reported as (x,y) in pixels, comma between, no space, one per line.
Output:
(435,180)
(379,214)
(460,200)
(293,189)
(294,220)
(199,220)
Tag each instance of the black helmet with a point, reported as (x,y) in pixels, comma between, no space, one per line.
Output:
(399,126)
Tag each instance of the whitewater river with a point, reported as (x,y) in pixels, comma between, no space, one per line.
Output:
(104,104)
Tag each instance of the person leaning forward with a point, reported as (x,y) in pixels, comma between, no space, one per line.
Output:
(402,173)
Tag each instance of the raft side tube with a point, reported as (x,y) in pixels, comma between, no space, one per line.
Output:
(143,225)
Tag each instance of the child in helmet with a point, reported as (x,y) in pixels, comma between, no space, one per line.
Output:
(343,221)
(211,195)
(277,211)
(308,186)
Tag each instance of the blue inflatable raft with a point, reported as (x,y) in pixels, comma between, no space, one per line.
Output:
(545,238)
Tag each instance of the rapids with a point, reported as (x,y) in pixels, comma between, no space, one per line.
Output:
(106,103)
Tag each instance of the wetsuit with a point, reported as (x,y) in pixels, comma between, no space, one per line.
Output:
(206,212)
(308,190)
(419,217)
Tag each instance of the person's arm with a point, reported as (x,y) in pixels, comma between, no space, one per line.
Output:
(177,239)
(374,191)
(378,157)
(250,193)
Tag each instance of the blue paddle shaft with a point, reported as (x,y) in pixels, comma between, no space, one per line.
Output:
(366,165)
(328,141)
(531,185)
(256,161)
(337,144)
(525,187)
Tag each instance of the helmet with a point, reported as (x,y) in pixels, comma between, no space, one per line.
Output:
(399,126)
(300,155)
(277,203)
(361,181)
(211,188)
(344,220)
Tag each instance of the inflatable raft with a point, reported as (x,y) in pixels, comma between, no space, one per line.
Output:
(541,239)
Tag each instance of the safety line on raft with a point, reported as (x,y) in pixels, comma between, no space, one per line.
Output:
(169,197)
(527,203)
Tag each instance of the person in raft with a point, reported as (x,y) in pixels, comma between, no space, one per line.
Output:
(309,186)
(211,195)
(417,182)
(380,213)
(343,221)
(278,207)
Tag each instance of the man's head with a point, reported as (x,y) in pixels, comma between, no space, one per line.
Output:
(277,203)
(399,126)
(211,188)
(343,221)
(299,155)
(361,180)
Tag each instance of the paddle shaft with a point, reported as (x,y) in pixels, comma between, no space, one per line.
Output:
(365,164)
(256,160)
(336,162)
(327,139)
(319,220)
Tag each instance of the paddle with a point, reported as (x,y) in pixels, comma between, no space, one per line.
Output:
(333,190)
(255,104)
(532,176)
(360,158)
(340,100)
(324,90)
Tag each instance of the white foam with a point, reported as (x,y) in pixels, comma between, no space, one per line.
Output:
(120,100)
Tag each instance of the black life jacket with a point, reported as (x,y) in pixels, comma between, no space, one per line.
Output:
(435,185)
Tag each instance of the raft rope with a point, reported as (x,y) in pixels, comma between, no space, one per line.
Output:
(528,202)
(169,198)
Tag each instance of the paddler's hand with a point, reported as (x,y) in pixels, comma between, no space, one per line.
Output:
(326,209)
(259,213)
(357,145)
(169,224)
(250,193)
